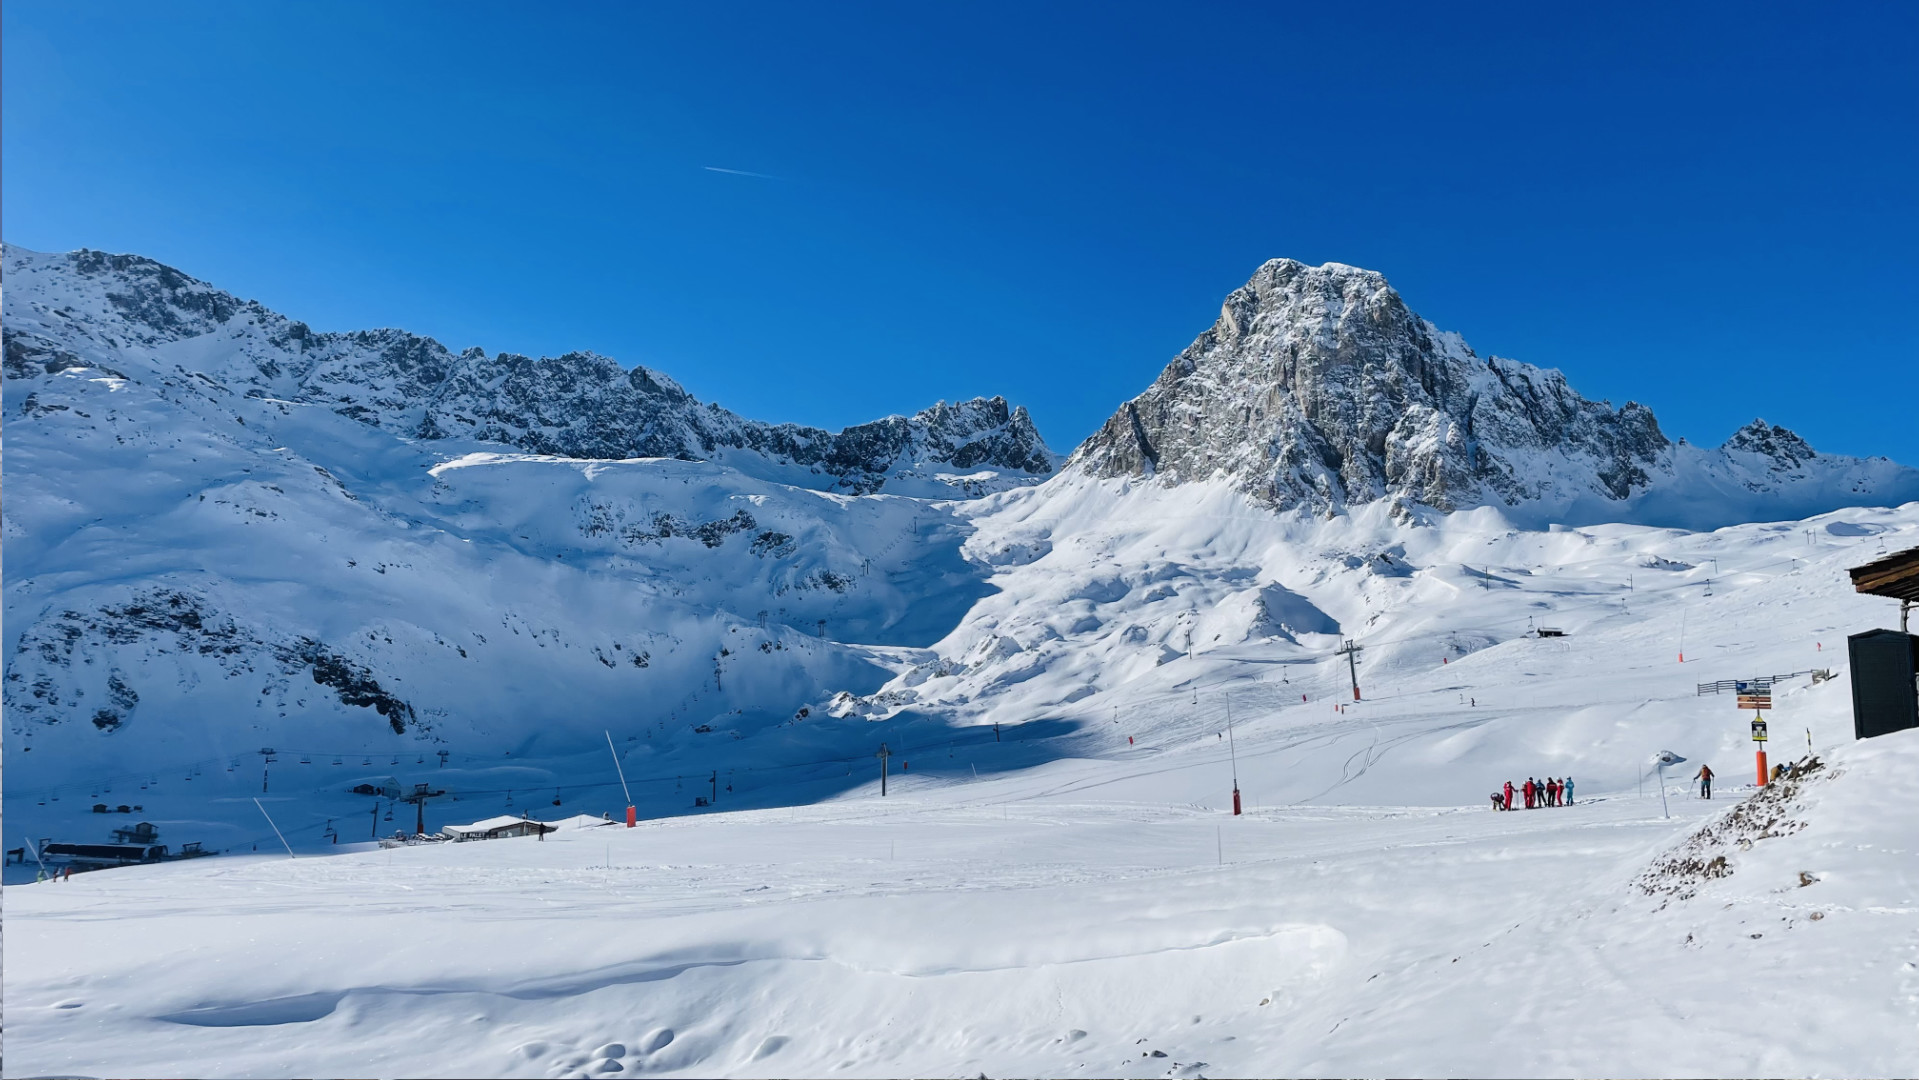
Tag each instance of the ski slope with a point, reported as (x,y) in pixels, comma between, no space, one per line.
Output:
(246,577)
(1074,897)
(1010,927)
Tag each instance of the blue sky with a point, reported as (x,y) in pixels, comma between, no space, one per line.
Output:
(1709,210)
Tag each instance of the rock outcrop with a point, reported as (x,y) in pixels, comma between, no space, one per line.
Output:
(575,405)
(1318,388)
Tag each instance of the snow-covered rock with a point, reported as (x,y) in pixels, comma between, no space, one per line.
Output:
(1318,387)
(579,404)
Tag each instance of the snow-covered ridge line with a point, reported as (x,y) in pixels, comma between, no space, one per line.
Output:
(579,404)
(1318,387)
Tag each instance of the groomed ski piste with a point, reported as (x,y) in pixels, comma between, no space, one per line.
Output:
(1075,897)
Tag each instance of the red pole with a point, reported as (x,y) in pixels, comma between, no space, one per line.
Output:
(632,817)
(1235,800)
(1761,754)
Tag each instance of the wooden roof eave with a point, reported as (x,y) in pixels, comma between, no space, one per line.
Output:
(1896,576)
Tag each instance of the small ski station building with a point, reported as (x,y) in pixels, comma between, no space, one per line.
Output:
(497,828)
(1885,663)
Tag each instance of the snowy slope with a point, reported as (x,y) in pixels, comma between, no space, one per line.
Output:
(969,928)
(219,542)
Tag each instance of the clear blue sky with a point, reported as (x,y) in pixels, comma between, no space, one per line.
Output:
(1711,211)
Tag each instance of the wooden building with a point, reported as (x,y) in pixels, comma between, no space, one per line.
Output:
(498,828)
(1896,577)
(1885,663)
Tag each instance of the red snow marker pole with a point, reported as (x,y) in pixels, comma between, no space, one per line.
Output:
(1233,751)
(632,817)
(1761,755)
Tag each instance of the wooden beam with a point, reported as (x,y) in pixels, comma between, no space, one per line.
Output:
(1895,576)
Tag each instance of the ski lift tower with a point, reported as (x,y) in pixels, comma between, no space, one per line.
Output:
(421,793)
(1350,651)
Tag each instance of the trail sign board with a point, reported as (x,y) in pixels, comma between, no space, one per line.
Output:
(1755,702)
(1758,731)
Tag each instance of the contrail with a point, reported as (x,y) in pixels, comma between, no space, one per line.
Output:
(738,172)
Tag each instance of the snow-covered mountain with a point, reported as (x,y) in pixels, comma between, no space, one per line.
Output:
(62,310)
(1318,387)
(225,532)
(252,569)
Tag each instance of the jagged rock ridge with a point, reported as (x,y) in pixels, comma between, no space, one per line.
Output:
(576,405)
(1318,388)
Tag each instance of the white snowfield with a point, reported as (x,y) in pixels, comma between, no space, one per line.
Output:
(1098,906)
(958,929)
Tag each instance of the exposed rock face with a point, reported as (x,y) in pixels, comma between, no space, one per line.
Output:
(1781,450)
(1319,387)
(576,405)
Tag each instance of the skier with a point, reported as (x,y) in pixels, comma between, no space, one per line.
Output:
(1499,801)
(1528,789)
(1552,791)
(1569,791)
(1704,776)
(1509,796)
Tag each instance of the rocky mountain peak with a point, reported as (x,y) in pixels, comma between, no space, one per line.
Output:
(1318,386)
(578,404)
(1785,448)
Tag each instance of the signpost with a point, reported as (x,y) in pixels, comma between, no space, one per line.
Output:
(1661,760)
(1757,696)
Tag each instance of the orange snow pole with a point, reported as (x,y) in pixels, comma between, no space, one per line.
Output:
(1235,800)
(632,817)
(1761,755)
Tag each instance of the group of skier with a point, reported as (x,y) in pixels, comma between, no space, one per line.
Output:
(1537,793)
